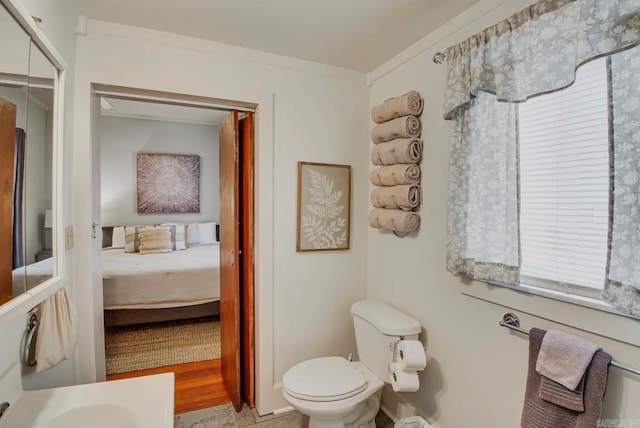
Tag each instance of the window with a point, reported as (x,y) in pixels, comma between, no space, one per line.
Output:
(564,185)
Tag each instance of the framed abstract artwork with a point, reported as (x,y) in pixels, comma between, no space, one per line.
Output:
(168,183)
(324,207)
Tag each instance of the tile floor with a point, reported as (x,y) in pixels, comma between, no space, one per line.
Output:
(225,416)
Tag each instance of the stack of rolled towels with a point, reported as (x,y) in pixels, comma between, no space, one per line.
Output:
(396,153)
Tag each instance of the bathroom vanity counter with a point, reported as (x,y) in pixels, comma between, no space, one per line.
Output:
(129,403)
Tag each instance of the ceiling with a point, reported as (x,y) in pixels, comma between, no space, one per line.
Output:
(164,112)
(355,34)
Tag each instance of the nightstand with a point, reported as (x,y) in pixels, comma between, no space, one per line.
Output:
(44,254)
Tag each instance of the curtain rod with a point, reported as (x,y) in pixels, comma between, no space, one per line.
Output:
(512,322)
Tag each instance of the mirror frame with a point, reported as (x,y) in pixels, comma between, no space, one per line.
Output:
(57,281)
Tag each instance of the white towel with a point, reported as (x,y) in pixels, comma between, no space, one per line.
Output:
(57,332)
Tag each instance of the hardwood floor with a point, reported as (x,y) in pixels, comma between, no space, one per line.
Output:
(198,385)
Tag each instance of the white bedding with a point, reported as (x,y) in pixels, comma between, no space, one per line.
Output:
(167,280)
(35,273)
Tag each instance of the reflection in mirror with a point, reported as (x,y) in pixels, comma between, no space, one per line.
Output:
(38,183)
(27,80)
(14,70)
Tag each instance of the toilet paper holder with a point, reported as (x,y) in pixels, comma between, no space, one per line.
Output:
(393,347)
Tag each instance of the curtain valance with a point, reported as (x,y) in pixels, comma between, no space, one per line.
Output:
(535,51)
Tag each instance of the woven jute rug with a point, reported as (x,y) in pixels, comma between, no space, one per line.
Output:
(146,346)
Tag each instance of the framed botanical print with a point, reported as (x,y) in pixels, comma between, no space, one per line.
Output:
(324,207)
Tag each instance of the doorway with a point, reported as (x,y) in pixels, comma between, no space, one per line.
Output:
(239,307)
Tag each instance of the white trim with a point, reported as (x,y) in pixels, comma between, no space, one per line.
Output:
(263,101)
(37,294)
(174,99)
(283,410)
(201,45)
(581,313)
(22,15)
(159,118)
(575,299)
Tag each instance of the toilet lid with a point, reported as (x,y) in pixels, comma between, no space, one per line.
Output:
(324,379)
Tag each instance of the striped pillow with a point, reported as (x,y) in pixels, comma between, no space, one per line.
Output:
(131,239)
(178,235)
(155,240)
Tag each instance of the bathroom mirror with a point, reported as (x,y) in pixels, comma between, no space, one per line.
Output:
(27,151)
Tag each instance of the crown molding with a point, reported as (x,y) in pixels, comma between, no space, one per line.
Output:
(109,29)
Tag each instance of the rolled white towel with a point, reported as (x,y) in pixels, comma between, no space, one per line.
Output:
(405,197)
(408,104)
(402,127)
(395,220)
(401,150)
(395,174)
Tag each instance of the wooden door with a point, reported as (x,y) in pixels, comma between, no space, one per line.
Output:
(7,158)
(246,259)
(229,257)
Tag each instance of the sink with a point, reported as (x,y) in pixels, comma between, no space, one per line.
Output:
(100,415)
(140,402)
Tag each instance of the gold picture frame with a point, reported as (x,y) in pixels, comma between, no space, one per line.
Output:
(324,207)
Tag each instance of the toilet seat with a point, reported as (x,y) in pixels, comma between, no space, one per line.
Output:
(324,379)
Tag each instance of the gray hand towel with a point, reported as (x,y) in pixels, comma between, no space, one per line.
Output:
(563,358)
(396,220)
(395,175)
(402,127)
(404,105)
(538,413)
(401,150)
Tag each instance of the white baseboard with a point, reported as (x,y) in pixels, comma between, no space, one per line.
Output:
(283,410)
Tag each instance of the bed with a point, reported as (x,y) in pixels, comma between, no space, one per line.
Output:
(31,275)
(140,288)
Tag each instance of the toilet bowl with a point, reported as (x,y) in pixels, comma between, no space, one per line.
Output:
(333,392)
(336,393)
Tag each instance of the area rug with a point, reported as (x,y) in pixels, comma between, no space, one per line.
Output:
(147,346)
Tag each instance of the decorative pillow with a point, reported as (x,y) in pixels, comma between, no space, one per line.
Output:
(118,238)
(132,240)
(207,233)
(193,234)
(178,235)
(155,240)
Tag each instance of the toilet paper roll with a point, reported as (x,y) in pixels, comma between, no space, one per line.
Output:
(402,381)
(411,355)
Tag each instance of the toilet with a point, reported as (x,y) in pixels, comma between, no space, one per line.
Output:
(337,393)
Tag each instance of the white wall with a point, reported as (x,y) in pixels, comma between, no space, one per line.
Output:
(121,138)
(58,25)
(319,114)
(477,370)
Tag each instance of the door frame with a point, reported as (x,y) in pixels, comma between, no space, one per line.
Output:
(267,390)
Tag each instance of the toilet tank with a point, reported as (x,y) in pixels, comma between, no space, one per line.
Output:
(378,327)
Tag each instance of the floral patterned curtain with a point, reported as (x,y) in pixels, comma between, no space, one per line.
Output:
(483,237)
(622,288)
(535,51)
(538,49)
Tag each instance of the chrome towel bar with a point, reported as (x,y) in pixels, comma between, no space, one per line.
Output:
(512,322)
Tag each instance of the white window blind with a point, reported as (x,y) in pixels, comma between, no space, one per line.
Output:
(564,173)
